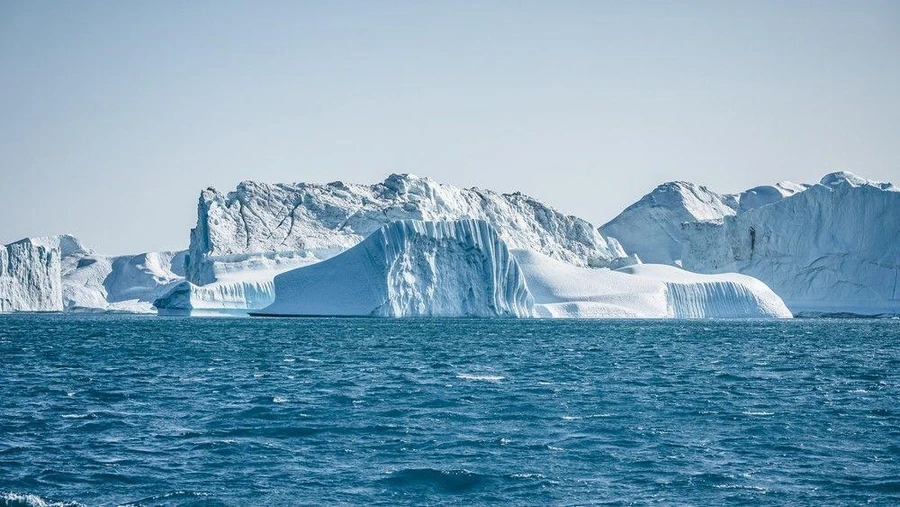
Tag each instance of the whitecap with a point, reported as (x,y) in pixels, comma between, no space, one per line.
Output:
(758,413)
(279,399)
(483,378)
(9,498)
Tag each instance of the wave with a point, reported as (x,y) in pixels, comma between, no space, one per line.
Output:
(12,499)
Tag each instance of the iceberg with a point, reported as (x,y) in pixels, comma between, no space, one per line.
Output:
(463,268)
(126,283)
(229,296)
(411,268)
(58,273)
(562,290)
(244,238)
(832,248)
(30,276)
(826,248)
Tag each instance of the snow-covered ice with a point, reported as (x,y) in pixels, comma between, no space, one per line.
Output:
(411,268)
(463,268)
(651,227)
(562,290)
(831,247)
(263,226)
(71,277)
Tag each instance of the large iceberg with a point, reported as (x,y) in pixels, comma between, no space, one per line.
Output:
(30,276)
(562,290)
(244,238)
(832,248)
(411,268)
(827,248)
(463,268)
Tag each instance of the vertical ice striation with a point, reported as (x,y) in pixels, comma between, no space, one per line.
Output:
(30,277)
(411,268)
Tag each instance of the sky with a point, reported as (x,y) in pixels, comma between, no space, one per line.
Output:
(115,115)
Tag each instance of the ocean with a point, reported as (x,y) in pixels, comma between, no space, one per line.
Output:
(108,410)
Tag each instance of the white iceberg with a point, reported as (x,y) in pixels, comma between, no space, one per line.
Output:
(463,268)
(828,248)
(58,273)
(260,226)
(832,248)
(411,268)
(562,290)
(30,276)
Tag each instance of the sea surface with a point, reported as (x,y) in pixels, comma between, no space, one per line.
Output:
(106,410)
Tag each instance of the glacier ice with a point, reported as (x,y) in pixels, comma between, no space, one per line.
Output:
(272,227)
(651,227)
(830,247)
(83,280)
(125,283)
(30,276)
(235,295)
(562,290)
(411,268)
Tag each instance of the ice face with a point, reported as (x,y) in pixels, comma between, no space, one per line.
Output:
(127,283)
(265,227)
(30,277)
(411,268)
(831,247)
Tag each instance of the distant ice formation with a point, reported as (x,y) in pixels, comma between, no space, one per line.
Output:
(828,248)
(411,268)
(58,273)
(832,248)
(30,276)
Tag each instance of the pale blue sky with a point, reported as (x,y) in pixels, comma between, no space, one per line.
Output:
(114,115)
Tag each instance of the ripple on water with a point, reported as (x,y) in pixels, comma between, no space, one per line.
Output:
(111,410)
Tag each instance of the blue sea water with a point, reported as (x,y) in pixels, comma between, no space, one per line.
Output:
(163,411)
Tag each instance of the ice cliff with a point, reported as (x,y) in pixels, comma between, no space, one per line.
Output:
(562,290)
(30,276)
(58,273)
(275,227)
(831,247)
(411,268)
